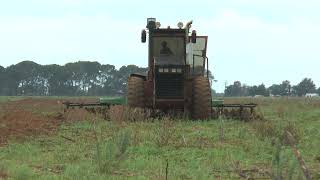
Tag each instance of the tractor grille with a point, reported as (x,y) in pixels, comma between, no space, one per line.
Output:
(169,86)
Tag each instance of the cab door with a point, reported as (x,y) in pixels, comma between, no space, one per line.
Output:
(196,55)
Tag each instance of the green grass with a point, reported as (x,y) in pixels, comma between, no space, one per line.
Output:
(10,98)
(192,149)
(15,98)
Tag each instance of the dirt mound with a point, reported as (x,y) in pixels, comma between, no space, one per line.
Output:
(32,117)
(21,123)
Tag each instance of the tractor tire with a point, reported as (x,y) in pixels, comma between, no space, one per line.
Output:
(201,98)
(136,92)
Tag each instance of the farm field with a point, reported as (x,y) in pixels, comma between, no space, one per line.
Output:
(39,141)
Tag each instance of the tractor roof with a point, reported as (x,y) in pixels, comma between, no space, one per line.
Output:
(167,30)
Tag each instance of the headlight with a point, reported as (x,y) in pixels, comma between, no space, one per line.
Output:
(180,25)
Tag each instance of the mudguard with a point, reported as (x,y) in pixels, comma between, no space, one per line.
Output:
(144,77)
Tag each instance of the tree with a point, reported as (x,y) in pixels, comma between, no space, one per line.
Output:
(275,89)
(31,80)
(283,89)
(234,90)
(261,90)
(2,79)
(79,78)
(93,78)
(105,84)
(123,74)
(19,78)
(304,87)
(59,80)
(252,90)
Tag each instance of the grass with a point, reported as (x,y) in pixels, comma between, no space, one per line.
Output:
(10,98)
(101,149)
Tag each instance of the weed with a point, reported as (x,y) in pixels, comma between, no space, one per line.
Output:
(23,172)
(110,153)
(265,129)
(3,174)
(281,112)
(277,162)
(292,166)
(221,127)
(123,113)
(164,132)
(77,115)
(123,142)
(270,129)
(296,132)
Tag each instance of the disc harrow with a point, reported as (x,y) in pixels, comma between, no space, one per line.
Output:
(234,111)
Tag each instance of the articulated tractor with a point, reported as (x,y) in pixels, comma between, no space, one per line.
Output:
(178,76)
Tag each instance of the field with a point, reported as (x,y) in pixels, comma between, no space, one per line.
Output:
(39,141)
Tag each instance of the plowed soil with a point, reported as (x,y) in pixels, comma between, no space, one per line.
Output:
(32,117)
(3,175)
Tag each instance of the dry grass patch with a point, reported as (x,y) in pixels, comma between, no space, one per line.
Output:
(121,113)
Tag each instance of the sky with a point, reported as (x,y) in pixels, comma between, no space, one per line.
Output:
(252,41)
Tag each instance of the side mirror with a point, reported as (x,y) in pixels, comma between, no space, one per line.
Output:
(143,36)
(194,36)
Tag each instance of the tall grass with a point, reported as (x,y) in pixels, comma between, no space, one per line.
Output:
(138,148)
(164,132)
(111,152)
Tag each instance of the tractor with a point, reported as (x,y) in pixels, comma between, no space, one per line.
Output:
(177,77)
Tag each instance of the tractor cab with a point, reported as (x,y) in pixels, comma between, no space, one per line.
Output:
(174,46)
(168,62)
(173,57)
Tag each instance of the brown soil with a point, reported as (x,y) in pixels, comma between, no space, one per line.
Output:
(33,117)
(3,175)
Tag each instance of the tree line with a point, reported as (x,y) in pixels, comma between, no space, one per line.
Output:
(28,78)
(85,78)
(283,89)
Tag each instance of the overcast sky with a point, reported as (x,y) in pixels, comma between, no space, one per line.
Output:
(253,41)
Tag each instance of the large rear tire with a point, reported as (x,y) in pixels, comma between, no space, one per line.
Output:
(201,106)
(136,92)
